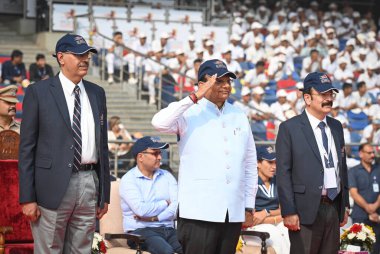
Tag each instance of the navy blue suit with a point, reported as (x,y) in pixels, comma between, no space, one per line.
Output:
(46,145)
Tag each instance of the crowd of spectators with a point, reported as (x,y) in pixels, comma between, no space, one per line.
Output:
(271,50)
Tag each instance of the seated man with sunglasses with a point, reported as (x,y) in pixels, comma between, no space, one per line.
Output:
(149,199)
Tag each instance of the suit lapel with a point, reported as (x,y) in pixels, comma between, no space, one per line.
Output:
(309,136)
(95,110)
(57,91)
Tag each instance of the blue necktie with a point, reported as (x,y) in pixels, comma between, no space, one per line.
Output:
(331,192)
(77,134)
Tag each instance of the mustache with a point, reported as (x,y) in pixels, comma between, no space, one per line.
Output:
(327,103)
(83,64)
(12,109)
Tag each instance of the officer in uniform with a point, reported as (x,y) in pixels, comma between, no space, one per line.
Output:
(8,102)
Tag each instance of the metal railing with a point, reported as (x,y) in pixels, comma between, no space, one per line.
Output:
(172,158)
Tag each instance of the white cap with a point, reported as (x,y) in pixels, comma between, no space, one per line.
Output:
(332,51)
(312,17)
(245,91)
(292,15)
(299,9)
(210,43)
(179,52)
(258,40)
(346,20)
(330,30)
(299,85)
(249,15)
(318,31)
(363,51)
(258,90)
(371,40)
(356,14)
(295,27)
(311,36)
(364,21)
(342,60)
(142,35)
(199,50)
(314,3)
(305,24)
(235,37)
(350,42)
(191,38)
(284,38)
(361,38)
(164,35)
(256,25)
(238,20)
(262,8)
(371,34)
(333,5)
(274,27)
(327,24)
(281,93)
(157,48)
(281,13)
(226,49)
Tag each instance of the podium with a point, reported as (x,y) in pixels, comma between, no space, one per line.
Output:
(15,232)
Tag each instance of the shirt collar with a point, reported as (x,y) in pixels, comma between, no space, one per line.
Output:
(138,173)
(68,85)
(314,121)
(210,105)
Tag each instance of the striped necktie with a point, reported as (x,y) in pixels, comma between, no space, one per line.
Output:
(331,192)
(77,134)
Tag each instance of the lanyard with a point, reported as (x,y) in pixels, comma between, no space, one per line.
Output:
(326,154)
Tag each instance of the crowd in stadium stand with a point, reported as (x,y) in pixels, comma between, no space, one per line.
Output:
(272,50)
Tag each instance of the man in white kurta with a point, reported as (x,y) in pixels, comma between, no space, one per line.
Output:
(218,167)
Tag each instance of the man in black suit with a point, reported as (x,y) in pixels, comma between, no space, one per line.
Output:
(63,157)
(312,172)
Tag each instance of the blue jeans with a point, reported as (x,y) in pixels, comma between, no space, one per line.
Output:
(159,240)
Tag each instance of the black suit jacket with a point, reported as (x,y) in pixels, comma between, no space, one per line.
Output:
(300,168)
(46,151)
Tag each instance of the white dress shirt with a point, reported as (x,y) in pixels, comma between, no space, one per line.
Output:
(318,136)
(87,123)
(218,166)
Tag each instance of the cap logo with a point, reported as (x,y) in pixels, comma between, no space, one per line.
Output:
(154,139)
(79,40)
(270,149)
(325,79)
(219,64)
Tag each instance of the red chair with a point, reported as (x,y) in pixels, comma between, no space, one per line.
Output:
(15,232)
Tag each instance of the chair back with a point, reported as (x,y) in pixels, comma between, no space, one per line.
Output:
(112,221)
(9,142)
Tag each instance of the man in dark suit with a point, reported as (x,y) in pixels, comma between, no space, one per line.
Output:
(312,172)
(63,160)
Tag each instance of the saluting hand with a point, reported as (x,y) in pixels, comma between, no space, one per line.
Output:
(205,86)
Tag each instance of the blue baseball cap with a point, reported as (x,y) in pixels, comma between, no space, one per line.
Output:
(145,143)
(319,81)
(74,44)
(265,153)
(214,66)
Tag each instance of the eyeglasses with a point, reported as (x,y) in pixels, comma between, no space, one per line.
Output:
(325,95)
(87,55)
(155,154)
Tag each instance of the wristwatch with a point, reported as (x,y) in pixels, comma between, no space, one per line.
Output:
(267,212)
(249,210)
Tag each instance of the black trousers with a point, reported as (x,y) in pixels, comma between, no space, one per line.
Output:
(204,237)
(322,237)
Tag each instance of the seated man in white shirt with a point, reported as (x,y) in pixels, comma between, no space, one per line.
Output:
(149,199)
(311,63)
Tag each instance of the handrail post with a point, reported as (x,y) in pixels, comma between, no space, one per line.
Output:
(159,96)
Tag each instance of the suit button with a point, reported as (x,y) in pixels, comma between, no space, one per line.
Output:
(228,181)
(320,187)
(69,165)
(72,147)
